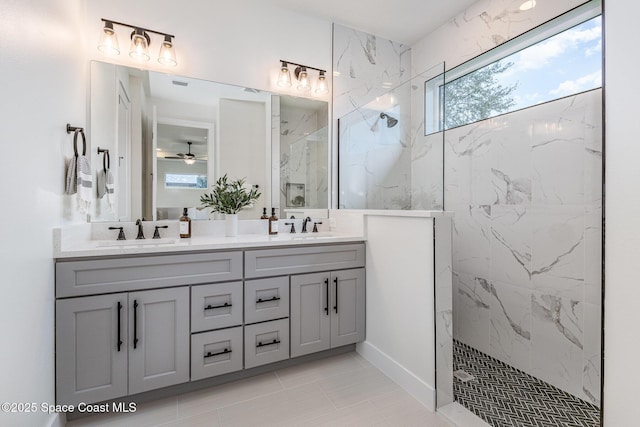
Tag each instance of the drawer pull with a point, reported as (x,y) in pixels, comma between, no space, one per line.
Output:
(261,344)
(213,307)
(135,323)
(326,307)
(209,354)
(119,337)
(267,300)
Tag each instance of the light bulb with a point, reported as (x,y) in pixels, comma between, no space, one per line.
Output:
(167,53)
(528,4)
(190,161)
(284,79)
(139,45)
(303,80)
(322,87)
(108,40)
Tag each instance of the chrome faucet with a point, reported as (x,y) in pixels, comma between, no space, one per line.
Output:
(304,224)
(140,231)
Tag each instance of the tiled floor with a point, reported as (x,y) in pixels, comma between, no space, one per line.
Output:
(505,397)
(343,390)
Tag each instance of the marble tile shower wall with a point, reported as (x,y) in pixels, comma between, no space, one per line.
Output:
(365,67)
(304,154)
(526,191)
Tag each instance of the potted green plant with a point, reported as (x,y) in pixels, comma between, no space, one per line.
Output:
(229,197)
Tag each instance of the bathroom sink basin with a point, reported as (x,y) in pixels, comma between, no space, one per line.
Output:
(135,243)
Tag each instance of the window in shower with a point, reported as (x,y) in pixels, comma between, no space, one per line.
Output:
(558,59)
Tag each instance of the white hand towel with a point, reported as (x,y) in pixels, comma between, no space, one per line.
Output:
(101,183)
(70,183)
(111,189)
(84,184)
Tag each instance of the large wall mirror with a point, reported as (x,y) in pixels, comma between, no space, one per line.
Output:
(170,137)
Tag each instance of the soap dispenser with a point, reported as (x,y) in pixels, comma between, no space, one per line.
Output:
(273,222)
(264,214)
(185,225)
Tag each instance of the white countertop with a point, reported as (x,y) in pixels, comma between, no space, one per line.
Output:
(96,240)
(97,248)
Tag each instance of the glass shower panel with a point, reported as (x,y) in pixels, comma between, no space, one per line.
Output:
(386,160)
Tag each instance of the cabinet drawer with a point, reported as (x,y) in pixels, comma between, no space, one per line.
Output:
(216,353)
(266,299)
(216,306)
(266,343)
(277,262)
(74,278)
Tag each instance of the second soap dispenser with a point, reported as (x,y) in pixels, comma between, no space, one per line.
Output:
(273,222)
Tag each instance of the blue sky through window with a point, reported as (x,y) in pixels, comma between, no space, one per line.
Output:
(567,63)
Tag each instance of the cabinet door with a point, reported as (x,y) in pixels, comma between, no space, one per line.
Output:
(91,365)
(158,338)
(310,315)
(347,307)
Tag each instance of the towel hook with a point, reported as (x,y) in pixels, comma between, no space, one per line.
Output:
(75,142)
(106,159)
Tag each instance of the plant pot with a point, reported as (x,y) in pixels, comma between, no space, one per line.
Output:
(231,225)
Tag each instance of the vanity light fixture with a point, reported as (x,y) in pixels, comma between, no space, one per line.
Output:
(303,79)
(301,74)
(140,45)
(167,53)
(140,41)
(284,78)
(108,40)
(322,86)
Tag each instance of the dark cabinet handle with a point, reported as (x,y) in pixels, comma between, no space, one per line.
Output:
(261,344)
(119,337)
(326,307)
(267,300)
(209,354)
(135,323)
(335,281)
(213,307)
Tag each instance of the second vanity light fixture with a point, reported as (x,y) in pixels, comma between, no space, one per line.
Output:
(140,41)
(301,73)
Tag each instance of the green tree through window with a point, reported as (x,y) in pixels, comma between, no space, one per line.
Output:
(477,95)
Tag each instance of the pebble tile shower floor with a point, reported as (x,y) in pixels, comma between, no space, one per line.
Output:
(507,397)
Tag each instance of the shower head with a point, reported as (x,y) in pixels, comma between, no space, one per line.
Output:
(391,121)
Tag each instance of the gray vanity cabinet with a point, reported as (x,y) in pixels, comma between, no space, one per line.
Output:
(327,310)
(108,346)
(158,338)
(91,365)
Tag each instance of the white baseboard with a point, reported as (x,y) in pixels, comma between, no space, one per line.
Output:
(417,388)
(57,420)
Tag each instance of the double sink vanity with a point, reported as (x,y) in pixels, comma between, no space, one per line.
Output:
(134,317)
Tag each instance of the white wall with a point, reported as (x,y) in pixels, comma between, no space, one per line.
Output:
(622,203)
(43,87)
